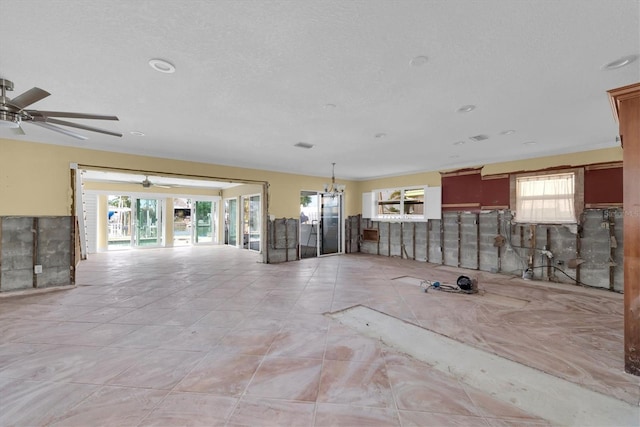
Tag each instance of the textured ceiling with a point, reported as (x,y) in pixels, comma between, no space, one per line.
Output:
(253,78)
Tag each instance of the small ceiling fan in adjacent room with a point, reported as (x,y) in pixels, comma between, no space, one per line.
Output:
(148,184)
(13,113)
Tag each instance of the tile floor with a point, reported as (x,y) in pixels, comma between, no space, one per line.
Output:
(208,336)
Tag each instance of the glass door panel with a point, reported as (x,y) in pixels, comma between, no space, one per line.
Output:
(330,224)
(203,222)
(254,223)
(181,221)
(231,222)
(119,222)
(147,224)
(309,215)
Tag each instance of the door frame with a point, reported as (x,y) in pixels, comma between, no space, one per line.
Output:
(319,230)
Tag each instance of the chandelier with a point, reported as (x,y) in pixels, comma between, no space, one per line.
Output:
(333,189)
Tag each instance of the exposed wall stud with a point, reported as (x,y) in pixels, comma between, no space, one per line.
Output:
(579,245)
(459,237)
(413,255)
(549,260)
(442,240)
(72,247)
(477,241)
(499,248)
(34,258)
(612,249)
(403,250)
(428,228)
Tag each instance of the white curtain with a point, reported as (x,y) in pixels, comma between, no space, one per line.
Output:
(546,199)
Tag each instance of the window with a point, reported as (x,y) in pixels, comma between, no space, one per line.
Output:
(400,203)
(547,198)
(417,203)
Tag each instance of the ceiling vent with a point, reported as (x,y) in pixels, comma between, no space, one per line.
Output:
(478,138)
(303,145)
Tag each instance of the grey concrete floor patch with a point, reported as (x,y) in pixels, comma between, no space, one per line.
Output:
(559,401)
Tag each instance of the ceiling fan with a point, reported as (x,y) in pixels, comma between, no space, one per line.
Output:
(147,184)
(13,112)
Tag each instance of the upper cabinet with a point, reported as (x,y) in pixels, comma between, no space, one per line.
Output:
(418,203)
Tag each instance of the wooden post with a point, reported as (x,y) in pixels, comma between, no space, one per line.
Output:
(625,102)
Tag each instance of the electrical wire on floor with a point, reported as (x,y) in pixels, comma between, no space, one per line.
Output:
(577,282)
(435,285)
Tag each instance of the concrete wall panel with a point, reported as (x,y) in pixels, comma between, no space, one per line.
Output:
(450,254)
(435,248)
(469,241)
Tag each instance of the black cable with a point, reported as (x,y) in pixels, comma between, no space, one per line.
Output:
(572,278)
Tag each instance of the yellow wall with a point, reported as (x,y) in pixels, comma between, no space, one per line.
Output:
(35,178)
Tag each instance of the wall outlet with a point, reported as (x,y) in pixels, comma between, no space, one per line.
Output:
(37,269)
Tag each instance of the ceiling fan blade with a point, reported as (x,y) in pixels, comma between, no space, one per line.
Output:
(59,129)
(45,114)
(29,97)
(77,125)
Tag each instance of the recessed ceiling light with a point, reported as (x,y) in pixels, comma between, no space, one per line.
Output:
(466,108)
(136,133)
(303,145)
(459,143)
(329,106)
(508,132)
(620,62)
(530,143)
(162,66)
(380,135)
(419,61)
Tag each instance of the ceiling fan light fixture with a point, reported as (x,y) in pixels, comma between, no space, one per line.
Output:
(9,122)
(162,66)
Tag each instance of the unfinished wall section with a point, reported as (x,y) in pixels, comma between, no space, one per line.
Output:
(589,253)
(36,252)
(283,240)
(352,234)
